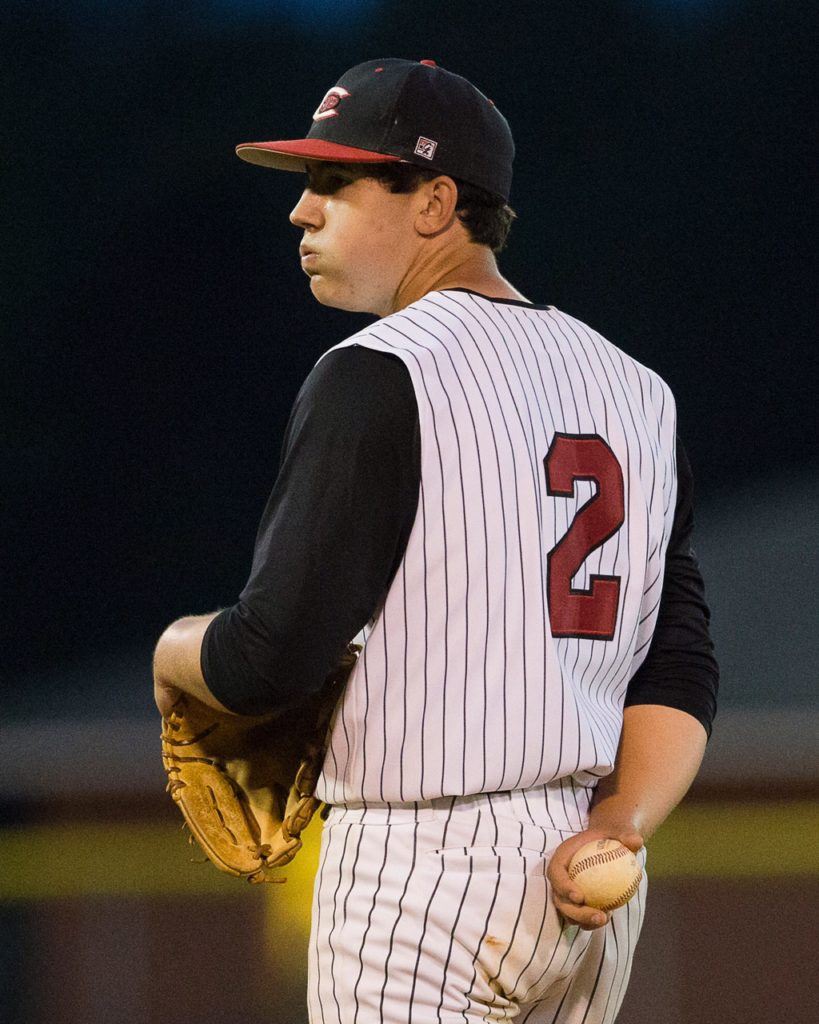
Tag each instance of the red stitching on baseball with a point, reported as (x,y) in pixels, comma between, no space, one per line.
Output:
(597,858)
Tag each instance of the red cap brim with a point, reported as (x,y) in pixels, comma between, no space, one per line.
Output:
(290,155)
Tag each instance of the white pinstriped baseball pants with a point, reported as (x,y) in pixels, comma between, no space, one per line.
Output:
(442,913)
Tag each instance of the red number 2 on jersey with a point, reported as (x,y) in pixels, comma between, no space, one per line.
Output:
(589,614)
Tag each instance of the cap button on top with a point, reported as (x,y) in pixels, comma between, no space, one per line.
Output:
(429,63)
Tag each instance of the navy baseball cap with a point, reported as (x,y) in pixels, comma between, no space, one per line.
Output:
(402,111)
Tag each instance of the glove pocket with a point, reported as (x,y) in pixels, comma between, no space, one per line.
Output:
(218,819)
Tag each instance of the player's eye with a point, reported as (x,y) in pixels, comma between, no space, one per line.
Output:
(326,184)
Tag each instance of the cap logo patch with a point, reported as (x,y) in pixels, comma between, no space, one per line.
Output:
(331,100)
(425,148)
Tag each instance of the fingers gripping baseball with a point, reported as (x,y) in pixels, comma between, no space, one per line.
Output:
(567,893)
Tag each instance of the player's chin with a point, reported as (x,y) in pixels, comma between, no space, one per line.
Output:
(334,297)
(322,292)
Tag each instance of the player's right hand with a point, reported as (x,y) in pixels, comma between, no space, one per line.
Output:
(566,896)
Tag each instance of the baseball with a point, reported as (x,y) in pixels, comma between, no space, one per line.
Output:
(606,872)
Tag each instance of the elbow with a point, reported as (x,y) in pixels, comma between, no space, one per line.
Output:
(253,681)
(253,669)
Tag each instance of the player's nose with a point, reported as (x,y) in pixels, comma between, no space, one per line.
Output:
(308,210)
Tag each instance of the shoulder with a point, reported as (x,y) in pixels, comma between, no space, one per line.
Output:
(353,367)
(355,389)
(387,350)
(637,372)
(393,334)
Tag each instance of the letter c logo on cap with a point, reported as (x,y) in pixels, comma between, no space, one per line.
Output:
(327,107)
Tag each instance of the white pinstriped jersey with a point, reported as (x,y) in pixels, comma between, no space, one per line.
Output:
(529,589)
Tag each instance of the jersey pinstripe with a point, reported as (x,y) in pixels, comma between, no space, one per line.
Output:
(462,687)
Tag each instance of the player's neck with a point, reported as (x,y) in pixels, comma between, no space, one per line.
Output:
(473,267)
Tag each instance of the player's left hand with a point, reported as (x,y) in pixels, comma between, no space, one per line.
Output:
(566,895)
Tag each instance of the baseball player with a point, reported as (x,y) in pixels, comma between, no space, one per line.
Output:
(493,497)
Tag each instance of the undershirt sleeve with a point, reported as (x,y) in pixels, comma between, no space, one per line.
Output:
(331,536)
(680,670)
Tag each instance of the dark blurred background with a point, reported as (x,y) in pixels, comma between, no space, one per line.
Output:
(157,326)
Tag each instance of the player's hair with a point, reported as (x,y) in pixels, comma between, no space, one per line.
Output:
(486,218)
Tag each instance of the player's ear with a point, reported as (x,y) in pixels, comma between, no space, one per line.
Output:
(436,208)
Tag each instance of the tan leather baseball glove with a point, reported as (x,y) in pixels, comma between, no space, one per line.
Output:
(245,784)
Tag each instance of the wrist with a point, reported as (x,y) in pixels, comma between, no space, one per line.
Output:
(615,817)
